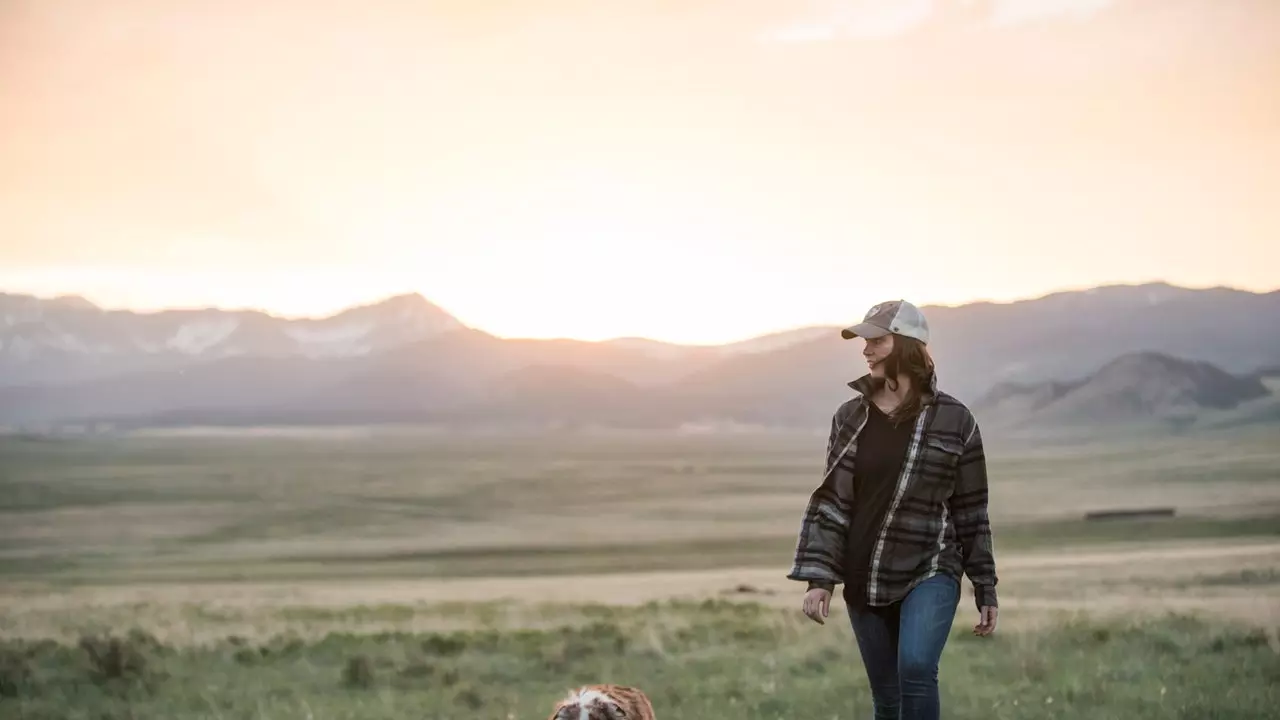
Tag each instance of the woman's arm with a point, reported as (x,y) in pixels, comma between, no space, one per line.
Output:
(973,528)
(820,547)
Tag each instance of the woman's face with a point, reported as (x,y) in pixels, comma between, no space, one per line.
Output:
(875,352)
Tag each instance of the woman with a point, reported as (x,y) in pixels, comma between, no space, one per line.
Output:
(900,516)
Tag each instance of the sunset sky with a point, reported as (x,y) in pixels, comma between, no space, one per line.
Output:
(687,170)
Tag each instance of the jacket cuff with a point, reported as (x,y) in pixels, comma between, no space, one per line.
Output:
(829,587)
(984,596)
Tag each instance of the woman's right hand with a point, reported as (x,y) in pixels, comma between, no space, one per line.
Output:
(817,602)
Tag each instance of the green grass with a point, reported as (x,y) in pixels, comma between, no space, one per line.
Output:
(715,660)
(113,512)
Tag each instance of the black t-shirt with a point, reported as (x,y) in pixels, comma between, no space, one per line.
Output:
(877,464)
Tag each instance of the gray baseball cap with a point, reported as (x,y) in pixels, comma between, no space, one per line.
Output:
(894,316)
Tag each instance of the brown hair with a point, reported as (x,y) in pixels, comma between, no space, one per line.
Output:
(911,358)
(604,701)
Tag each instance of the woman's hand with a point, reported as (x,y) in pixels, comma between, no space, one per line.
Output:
(817,602)
(986,621)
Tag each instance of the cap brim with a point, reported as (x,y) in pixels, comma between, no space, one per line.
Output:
(863,330)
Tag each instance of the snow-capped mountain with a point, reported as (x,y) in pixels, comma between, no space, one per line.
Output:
(69,339)
(405,360)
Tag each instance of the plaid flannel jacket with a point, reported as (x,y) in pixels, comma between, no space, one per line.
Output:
(937,519)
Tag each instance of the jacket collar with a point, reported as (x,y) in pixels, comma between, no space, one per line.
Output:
(865,386)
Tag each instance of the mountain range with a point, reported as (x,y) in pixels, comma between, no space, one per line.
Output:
(69,339)
(1115,353)
(1134,388)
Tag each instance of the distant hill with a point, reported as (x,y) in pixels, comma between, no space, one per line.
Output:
(406,360)
(69,340)
(763,343)
(1261,410)
(1268,373)
(1071,334)
(1135,388)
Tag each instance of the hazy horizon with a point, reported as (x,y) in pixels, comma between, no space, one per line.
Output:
(699,172)
(768,331)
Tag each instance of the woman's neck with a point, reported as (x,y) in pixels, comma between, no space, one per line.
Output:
(890,395)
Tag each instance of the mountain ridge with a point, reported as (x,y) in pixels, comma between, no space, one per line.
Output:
(410,369)
(56,342)
(418,297)
(1134,387)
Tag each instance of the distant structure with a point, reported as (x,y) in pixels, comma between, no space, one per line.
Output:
(1131,513)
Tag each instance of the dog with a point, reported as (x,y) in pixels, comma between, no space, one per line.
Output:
(604,702)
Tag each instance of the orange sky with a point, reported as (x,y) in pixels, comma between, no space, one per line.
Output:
(700,171)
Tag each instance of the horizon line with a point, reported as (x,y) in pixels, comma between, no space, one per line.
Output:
(795,328)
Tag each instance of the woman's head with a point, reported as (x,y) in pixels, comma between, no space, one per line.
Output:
(897,317)
(897,363)
(894,357)
(896,350)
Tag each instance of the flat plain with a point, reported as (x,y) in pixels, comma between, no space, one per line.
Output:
(404,573)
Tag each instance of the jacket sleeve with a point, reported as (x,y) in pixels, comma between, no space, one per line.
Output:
(820,549)
(973,528)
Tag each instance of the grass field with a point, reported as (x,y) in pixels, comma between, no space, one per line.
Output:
(411,575)
(709,661)
(419,505)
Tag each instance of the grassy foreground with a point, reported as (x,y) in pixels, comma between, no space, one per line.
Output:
(713,660)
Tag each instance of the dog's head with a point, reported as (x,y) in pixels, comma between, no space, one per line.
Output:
(603,702)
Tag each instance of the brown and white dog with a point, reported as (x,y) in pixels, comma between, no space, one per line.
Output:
(604,702)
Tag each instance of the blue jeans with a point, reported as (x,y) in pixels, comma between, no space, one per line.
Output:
(901,645)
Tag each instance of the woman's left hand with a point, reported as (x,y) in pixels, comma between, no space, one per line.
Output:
(986,621)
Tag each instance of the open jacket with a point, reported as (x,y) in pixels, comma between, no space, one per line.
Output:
(937,520)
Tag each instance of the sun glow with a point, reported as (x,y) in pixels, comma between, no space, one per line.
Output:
(653,169)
